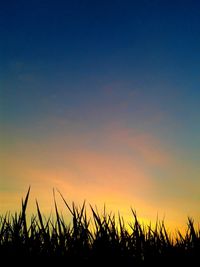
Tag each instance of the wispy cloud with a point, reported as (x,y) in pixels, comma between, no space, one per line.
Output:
(114,165)
(144,145)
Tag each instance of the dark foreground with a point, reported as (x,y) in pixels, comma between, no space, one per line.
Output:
(102,240)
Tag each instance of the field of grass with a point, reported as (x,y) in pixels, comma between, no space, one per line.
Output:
(102,240)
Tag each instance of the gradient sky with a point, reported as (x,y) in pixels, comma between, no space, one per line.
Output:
(101,100)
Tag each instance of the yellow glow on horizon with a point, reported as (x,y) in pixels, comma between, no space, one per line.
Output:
(110,174)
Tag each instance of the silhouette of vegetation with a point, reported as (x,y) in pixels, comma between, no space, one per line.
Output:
(102,240)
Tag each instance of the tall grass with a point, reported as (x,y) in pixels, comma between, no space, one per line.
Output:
(101,239)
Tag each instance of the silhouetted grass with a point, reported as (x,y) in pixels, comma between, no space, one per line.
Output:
(100,240)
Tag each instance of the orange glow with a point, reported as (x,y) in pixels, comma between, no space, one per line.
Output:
(116,173)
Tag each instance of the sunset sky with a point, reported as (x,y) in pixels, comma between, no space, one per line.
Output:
(101,99)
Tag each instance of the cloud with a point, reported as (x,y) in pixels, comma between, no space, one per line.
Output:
(115,165)
(143,145)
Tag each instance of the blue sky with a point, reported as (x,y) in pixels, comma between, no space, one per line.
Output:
(97,78)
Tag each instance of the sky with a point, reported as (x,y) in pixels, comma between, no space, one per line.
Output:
(101,100)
